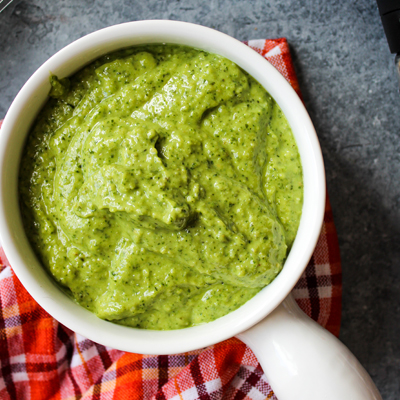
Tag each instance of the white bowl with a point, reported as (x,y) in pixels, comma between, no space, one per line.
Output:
(301,359)
(26,265)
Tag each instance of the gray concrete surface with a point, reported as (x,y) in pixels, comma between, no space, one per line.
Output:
(349,85)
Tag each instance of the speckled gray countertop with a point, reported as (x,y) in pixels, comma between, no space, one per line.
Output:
(348,81)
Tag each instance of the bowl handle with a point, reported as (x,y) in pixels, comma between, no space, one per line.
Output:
(302,360)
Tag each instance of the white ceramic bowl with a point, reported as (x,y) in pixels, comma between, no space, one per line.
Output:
(23,260)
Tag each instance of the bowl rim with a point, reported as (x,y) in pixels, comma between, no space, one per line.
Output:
(24,262)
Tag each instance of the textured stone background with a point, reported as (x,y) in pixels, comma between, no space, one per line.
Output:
(348,80)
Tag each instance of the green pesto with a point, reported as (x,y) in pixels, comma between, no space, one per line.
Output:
(161,186)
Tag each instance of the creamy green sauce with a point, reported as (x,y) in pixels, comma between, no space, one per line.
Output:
(161,187)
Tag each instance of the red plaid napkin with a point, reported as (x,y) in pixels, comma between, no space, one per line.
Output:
(42,359)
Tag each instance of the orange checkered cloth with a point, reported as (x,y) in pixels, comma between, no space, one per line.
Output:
(42,359)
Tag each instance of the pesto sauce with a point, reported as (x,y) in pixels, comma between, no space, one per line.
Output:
(161,187)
